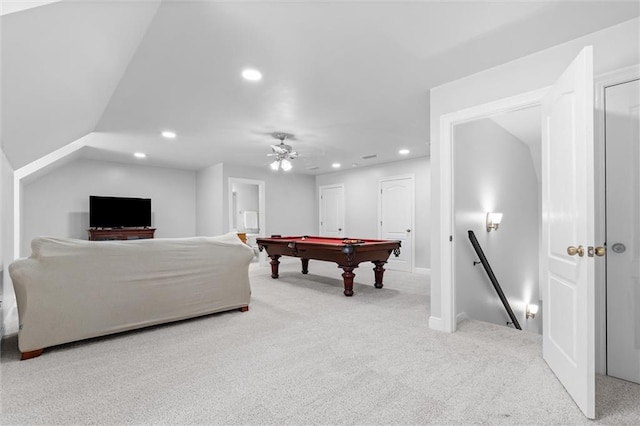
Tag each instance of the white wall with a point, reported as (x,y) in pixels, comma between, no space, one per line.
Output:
(361,187)
(289,198)
(6,244)
(614,48)
(209,201)
(57,204)
(494,171)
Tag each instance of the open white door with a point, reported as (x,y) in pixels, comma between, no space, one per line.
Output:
(568,221)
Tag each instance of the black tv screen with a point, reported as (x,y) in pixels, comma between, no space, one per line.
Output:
(119,212)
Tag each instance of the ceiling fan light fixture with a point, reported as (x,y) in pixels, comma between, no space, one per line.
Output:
(283,153)
(286,165)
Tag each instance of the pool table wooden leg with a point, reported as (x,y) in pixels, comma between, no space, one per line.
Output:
(379,272)
(305,266)
(348,279)
(274,265)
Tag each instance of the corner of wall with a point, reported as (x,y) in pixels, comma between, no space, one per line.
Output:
(7,296)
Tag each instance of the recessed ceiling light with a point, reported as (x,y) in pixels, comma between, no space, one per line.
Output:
(252,75)
(403,152)
(140,155)
(169,134)
(336,165)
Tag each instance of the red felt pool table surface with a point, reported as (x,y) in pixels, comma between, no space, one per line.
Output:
(348,253)
(327,240)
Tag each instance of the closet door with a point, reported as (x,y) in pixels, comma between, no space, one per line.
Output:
(332,211)
(396,219)
(622,141)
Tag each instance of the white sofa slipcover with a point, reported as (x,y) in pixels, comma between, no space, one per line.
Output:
(70,289)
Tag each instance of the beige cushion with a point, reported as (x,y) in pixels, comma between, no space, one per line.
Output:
(72,289)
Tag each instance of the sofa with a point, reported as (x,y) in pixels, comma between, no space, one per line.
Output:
(68,289)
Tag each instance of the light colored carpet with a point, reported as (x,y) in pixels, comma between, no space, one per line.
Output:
(304,354)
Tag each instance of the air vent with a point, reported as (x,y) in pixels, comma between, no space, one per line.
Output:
(368,157)
(313,168)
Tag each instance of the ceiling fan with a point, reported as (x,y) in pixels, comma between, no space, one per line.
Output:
(282,152)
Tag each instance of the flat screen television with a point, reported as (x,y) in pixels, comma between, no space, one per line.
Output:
(119,212)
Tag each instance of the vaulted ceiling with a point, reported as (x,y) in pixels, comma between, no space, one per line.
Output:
(347,78)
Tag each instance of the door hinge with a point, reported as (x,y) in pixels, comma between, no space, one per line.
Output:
(450,237)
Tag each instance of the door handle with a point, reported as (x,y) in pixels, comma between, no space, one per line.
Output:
(408,230)
(572,251)
(339,229)
(598,251)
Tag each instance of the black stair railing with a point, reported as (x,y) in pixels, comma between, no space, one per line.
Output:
(492,277)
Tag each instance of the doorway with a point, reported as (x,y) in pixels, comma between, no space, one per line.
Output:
(497,170)
(447,244)
(247,213)
(566,282)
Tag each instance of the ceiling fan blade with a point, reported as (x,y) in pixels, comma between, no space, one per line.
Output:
(278,149)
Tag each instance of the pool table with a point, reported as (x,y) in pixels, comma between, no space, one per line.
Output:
(348,253)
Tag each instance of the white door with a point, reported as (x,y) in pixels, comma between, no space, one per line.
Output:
(623,230)
(332,211)
(396,219)
(568,220)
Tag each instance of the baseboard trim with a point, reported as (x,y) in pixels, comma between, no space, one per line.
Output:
(423,271)
(435,323)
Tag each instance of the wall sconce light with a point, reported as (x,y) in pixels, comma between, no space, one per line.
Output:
(493,221)
(532,310)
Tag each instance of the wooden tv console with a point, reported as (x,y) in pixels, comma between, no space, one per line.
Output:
(101,234)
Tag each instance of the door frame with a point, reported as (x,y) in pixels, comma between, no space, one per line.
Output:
(262,210)
(413,212)
(262,220)
(447,243)
(344,206)
(601,82)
